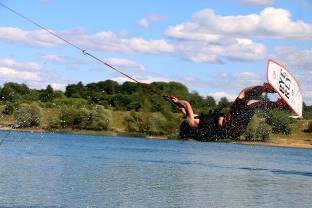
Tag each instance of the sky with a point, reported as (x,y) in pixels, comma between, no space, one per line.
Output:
(214,47)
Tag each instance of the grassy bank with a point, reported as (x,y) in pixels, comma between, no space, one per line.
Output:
(298,138)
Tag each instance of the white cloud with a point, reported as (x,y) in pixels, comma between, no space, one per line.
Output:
(30,73)
(270,23)
(53,58)
(103,41)
(145,21)
(9,73)
(301,60)
(30,66)
(125,63)
(58,86)
(239,49)
(36,38)
(257,2)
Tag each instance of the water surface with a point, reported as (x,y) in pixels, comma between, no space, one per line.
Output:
(62,170)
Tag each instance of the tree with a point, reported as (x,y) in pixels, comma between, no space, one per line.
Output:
(135,123)
(69,117)
(12,91)
(47,95)
(109,87)
(28,115)
(279,121)
(75,90)
(258,130)
(211,102)
(224,103)
(130,88)
(8,108)
(101,118)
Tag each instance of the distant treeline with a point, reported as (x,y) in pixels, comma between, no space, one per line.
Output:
(127,107)
(128,96)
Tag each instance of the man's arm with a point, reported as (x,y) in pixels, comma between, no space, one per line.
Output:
(186,108)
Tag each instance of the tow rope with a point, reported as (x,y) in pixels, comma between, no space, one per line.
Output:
(86,53)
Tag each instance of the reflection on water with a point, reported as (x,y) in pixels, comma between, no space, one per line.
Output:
(56,170)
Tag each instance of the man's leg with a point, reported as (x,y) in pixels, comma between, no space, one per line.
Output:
(248,92)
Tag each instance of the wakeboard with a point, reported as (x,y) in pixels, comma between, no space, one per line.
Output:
(286,86)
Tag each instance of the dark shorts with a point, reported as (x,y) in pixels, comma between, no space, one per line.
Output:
(236,121)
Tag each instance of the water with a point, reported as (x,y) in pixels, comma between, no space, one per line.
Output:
(58,170)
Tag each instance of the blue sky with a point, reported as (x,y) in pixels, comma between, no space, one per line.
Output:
(213,47)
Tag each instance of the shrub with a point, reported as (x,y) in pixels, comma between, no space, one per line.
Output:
(8,109)
(69,117)
(258,130)
(151,123)
(54,123)
(134,123)
(74,102)
(310,127)
(279,121)
(157,124)
(101,118)
(28,115)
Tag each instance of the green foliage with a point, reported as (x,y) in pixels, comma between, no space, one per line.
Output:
(8,108)
(100,118)
(258,130)
(151,123)
(224,103)
(13,92)
(28,115)
(53,123)
(75,90)
(310,126)
(279,121)
(74,102)
(134,123)
(211,102)
(307,111)
(47,94)
(69,117)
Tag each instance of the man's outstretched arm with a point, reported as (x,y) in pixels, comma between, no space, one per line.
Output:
(186,108)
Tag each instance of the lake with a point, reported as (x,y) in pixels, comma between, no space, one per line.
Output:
(63,170)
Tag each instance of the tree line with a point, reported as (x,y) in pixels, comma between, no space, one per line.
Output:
(93,107)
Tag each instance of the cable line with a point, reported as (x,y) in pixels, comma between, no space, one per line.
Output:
(86,53)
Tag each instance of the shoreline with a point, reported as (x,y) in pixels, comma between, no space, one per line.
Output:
(277,142)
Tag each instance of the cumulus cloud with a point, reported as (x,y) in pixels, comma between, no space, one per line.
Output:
(109,41)
(239,49)
(36,38)
(125,63)
(257,2)
(30,73)
(53,58)
(299,62)
(145,21)
(206,25)
(9,73)
(103,41)
(58,86)
(11,63)
(299,59)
